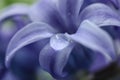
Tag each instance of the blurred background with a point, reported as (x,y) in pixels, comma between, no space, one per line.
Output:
(4,3)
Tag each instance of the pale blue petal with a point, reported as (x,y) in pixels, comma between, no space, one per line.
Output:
(91,36)
(27,35)
(101,15)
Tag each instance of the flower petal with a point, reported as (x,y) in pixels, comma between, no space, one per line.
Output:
(69,10)
(54,61)
(27,35)
(101,15)
(46,11)
(116,3)
(16,9)
(94,38)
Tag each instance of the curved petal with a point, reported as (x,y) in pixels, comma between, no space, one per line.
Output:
(46,11)
(54,61)
(16,9)
(101,15)
(27,35)
(95,38)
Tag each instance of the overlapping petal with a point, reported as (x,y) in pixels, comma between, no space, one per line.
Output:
(69,10)
(93,37)
(100,14)
(46,11)
(54,61)
(27,35)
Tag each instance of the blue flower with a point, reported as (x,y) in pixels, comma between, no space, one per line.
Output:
(72,35)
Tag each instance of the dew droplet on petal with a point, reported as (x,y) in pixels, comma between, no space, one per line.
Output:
(59,41)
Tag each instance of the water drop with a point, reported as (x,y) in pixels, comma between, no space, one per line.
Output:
(59,42)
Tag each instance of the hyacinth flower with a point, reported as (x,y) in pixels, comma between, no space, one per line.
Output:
(74,35)
(12,19)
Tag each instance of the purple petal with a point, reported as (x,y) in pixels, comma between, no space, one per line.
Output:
(46,11)
(69,10)
(54,60)
(93,37)
(27,35)
(101,15)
